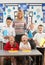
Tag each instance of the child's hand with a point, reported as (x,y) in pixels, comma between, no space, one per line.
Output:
(27,48)
(11,48)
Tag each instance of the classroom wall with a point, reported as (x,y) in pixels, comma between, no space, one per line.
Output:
(33,12)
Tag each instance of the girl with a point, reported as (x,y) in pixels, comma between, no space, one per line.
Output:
(11,45)
(25,45)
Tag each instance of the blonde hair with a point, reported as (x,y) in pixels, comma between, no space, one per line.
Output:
(22,12)
(24,36)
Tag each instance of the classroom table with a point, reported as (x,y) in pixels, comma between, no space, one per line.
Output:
(42,50)
(34,52)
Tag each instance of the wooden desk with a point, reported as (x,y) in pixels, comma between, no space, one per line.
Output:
(42,50)
(21,53)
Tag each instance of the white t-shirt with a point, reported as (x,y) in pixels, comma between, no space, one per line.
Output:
(22,45)
(39,36)
(8,31)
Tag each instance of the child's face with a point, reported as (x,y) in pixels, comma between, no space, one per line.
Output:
(24,39)
(31,26)
(40,29)
(8,22)
(11,39)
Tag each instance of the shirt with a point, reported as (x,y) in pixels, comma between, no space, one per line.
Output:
(19,27)
(30,35)
(39,36)
(8,46)
(22,45)
(8,31)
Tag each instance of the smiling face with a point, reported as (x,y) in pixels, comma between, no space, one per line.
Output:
(32,26)
(24,39)
(8,22)
(11,40)
(40,29)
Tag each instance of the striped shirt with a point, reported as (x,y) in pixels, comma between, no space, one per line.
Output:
(19,27)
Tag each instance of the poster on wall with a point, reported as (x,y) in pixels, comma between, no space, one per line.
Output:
(23,6)
(43,7)
(2,9)
(43,17)
(1,17)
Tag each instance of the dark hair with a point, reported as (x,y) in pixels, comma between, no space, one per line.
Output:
(9,18)
(32,43)
(40,25)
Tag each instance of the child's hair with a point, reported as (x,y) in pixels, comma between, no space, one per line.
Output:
(23,36)
(9,18)
(40,25)
(14,45)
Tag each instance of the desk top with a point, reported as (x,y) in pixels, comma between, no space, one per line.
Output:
(20,53)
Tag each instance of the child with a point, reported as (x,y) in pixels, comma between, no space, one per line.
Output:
(8,30)
(31,28)
(11,45)
(25,45)
(38,36)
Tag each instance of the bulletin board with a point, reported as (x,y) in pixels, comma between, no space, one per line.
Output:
(31,10)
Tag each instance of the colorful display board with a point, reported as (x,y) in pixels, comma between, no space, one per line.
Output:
(35,11)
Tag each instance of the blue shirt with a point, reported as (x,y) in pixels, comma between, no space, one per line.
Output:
(30,35)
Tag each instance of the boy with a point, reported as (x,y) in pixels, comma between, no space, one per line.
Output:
(8,30)
(38,36)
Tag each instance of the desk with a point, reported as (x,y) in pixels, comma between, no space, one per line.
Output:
(42,50)
(20,53)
